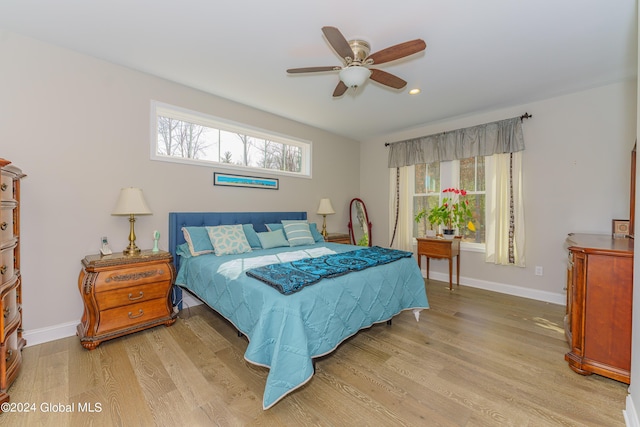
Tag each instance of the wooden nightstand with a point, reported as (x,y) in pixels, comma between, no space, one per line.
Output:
(338,238)
(123,294)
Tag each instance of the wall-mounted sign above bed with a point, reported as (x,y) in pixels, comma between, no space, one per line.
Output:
(231,180)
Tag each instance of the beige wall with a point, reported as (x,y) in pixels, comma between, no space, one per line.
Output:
(79,127)
(576,179)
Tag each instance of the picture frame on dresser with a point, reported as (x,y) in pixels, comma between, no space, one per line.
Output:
(620,228)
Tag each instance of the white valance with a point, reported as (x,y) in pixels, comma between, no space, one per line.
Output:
(504,136)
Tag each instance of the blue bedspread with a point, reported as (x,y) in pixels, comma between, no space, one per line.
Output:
(290,277)
(286,331)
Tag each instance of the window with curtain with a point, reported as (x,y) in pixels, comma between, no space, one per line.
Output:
(485,160)
(468,174)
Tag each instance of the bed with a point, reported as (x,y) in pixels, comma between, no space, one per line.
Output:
(286,332)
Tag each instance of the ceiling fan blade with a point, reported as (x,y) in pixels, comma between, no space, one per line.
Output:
(338,42)
(398,51)
(387,79)
(312,69)
(340,89)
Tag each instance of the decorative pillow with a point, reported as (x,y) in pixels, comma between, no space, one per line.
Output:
(298,233)
(252,236)
(315,233)
(183,251)
(198,240)
(272,239)
(228,239)
(274,227)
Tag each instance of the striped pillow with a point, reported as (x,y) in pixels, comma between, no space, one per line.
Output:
(298,233)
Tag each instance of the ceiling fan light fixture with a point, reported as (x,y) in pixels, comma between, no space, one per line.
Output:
(354,75)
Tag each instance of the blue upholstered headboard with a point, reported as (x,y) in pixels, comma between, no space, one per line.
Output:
(177,220)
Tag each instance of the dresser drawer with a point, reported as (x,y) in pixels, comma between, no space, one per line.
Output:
(130,295)
(9,313)
(129,316)
(6,223)
(6,264)
(10,358)
(126,277)
(6,186)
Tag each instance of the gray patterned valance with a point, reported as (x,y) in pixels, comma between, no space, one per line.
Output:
(504,136)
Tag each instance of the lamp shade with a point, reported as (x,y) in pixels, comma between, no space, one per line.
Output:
(131,201)
(325,207)
(354,75)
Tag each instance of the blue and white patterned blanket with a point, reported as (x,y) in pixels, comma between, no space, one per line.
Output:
(290,277)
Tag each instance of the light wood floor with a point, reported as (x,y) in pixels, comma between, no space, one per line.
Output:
(476,358)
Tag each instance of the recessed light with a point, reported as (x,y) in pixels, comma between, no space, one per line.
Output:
(414,91)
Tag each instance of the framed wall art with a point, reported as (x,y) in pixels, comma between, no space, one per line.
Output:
(231,180)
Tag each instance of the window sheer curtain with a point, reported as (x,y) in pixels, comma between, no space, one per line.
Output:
(493,139)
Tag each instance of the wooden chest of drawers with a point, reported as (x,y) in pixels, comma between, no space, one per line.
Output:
(11,341)
(123,294)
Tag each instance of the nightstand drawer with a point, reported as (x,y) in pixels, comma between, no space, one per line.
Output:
(130,295)
(125,277)
(132,315)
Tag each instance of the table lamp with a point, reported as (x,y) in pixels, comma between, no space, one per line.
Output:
(131,202)
(325,209)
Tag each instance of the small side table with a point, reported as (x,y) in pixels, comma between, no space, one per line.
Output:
(123,294)
(441,249)
(338,238)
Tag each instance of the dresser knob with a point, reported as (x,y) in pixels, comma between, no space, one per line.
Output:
(9,354)
(4,186)
(132,316)
(6,312)
(3,269)
(4,226)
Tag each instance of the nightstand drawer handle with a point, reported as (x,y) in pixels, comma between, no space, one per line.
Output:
(132,316)
(6,312)
(4,226)
(132,298)
(9,354)
(3,269)
(4,186)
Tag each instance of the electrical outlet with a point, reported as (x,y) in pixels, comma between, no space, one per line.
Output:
(538,270)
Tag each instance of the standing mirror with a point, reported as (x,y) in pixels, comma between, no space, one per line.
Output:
(359,224)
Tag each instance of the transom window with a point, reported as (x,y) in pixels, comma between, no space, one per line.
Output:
(185,136)
(468,174)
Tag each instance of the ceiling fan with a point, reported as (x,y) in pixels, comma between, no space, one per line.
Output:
(355,55)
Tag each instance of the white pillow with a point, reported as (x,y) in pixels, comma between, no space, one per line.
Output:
(298,233)
(228,239)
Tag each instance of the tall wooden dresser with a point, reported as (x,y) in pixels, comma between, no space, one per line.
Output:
(11,341)
(599,305)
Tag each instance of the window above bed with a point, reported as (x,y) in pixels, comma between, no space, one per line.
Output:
(185,136)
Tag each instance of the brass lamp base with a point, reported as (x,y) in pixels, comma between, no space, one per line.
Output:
(324,227)
(132,249)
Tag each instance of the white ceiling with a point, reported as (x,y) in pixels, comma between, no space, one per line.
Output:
(481,55)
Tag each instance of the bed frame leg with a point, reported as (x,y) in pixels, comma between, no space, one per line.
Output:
(389,322)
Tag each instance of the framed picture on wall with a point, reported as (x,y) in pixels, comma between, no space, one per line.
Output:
(620,228)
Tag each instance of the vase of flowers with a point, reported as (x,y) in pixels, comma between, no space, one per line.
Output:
(454,213)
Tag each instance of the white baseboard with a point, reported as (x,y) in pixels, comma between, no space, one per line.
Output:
(64,330)
(50,333)
(502,288)
(630,414)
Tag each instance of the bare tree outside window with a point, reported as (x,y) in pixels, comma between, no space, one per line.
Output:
(182,134)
